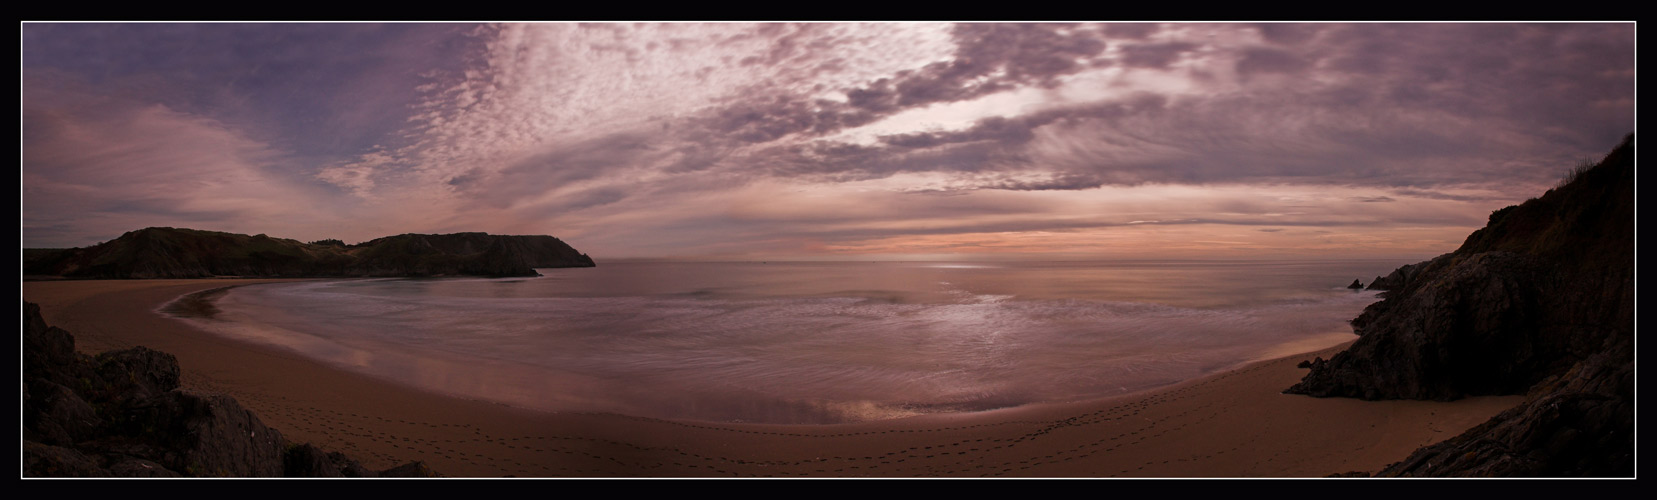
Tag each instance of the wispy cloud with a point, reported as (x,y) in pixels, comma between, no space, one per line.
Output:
(686,139)
(95,167)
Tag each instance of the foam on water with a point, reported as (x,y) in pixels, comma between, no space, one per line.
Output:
(789,344)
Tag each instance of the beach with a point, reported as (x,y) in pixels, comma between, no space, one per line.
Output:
(1231,424)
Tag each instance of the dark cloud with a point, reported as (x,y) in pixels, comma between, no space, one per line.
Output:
(836,231)
(1287,33)
(767,119)
(1154,55)
(1132,31)
(789,42)
(1006,131)
(1028,53)
(1440,195)
(1323,136)
(1264,60)
(561,166)
(465,180)
(990,144)
(990,58)
(1063,182)
(584,199)
(1432,111)
(1529,77)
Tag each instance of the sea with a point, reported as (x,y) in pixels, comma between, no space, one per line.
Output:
(804,342)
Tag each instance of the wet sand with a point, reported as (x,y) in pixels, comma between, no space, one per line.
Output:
(1231,424)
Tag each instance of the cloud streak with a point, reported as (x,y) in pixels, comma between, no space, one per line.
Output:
(822,139)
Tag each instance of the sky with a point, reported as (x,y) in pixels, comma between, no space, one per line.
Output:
(826,141)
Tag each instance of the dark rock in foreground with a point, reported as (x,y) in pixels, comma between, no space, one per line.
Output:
(122,414)
(1579,424)
(164,252)
(1541,301)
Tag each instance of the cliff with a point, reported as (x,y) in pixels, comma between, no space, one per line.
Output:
(122,414)
(1539,302)
(164,252)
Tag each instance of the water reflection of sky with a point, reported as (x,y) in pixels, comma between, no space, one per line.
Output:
(804,342)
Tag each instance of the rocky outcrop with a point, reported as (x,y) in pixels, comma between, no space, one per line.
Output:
(1539,302)
(1474,331)
(477,254)
(1402,276)
(122,414)
(1577,424)
(309,461)
(163,252)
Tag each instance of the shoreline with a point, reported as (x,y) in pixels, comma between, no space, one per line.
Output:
(1234,423)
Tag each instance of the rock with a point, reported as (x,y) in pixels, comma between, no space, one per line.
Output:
(42,460)
(1356,285)
(59,416)
(349,467)
(212,435)
(1401,277)
(411,469)
(49,352)
(137,467)
(1583,428)
(125,408)
(138,373)
(309,461)
(1539,302)
(1475,330)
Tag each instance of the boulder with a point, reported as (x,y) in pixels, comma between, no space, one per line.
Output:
(411,469)
(125,408)
(138,467)
(58,416)
(1581,428)
(138,373)
(43,460)
(309,461)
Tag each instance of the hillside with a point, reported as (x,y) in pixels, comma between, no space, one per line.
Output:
(164,252)
(1539,302)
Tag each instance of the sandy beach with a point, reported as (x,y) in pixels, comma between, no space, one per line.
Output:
(1230,424)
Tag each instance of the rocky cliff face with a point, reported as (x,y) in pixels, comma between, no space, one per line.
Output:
(122,414)
(1540,300)
(160,252)
(1577,424)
